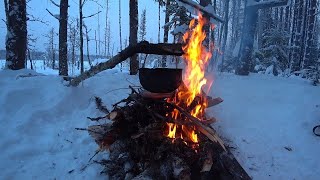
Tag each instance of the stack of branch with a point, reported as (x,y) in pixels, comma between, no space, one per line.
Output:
(139,148)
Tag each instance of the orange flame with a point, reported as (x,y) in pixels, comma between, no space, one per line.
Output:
(191,134)
(172,130)
(196,57)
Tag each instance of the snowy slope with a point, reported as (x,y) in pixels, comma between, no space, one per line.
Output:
(38,116)
(260,116)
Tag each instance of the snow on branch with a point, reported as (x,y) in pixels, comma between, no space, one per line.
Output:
(266,4)
(194,7)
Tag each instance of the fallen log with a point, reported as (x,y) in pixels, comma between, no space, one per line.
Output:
(142,47)
(214,101)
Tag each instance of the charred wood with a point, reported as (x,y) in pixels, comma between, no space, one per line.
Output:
(140,149)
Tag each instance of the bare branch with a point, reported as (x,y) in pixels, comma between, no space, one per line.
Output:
(31,18)
(82,4)
(53,15)
(54,3)
(96,1)
(91,15)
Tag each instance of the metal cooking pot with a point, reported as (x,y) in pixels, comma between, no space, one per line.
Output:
(160,80)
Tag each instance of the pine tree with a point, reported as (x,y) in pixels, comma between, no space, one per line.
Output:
(142,29)
(51,49)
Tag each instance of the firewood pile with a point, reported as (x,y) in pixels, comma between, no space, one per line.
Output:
(140,148)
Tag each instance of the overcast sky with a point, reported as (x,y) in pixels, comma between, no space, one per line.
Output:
(38,9)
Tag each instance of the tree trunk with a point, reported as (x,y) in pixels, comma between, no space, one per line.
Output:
(133,39)
(95,40)
(53,60)
(29,57)
(108,39)
(166,32)
(225,35)
(106,44)
(16,41)
(73,43)
(303,38)
(235,23)
(63,38)
(248,32)
(120,33)
(99,35)
(281,19)
(287,18)
(81,36)
(87,40)
(297,35)
(311,45)
(159,20)
(206,28)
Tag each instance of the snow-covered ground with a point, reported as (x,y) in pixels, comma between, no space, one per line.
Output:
(261,116)
(39,66)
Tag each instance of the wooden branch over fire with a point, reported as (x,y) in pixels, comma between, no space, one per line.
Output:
(142,47)
(266,4)
(202,9)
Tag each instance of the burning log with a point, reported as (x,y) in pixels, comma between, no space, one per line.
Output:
(207,131)
(142,47)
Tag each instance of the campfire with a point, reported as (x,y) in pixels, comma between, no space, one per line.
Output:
(167,135)
(189,95)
